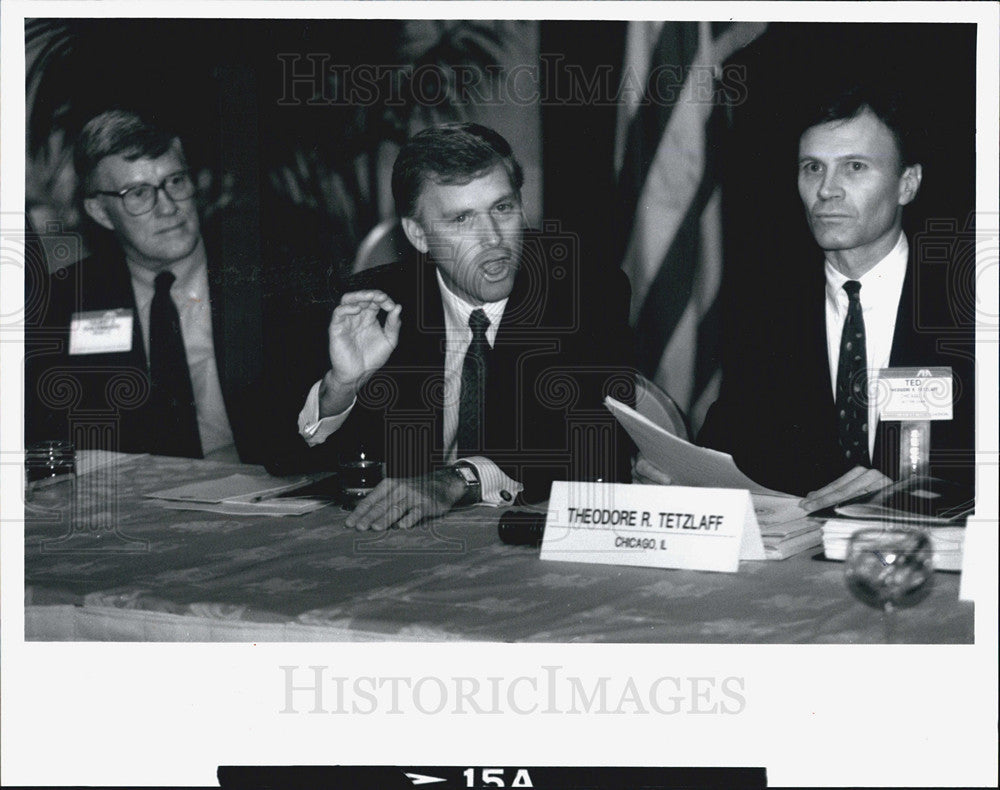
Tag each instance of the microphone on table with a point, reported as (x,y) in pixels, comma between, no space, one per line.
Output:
(521,528)
(525,527)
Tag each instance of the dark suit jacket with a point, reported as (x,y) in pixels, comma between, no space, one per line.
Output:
(775,413)
(109,393)
(561,347)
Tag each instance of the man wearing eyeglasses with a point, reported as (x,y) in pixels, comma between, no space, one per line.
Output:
(131,338)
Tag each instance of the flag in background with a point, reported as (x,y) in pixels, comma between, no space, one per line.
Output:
(666,152)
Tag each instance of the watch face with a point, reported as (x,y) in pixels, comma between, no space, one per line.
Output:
(467,474)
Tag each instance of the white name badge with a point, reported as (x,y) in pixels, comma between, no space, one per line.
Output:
(914,393)
(709,529)
(101,332)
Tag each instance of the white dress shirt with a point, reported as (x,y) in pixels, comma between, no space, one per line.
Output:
(191,296)
(496,487)
(881,288)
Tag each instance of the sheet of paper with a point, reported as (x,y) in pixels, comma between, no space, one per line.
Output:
(88,461)
(271,507)
(236,486)
(686,463)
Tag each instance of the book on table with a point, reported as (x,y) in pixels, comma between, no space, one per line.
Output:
(939,507)
(920,500)
(947,542)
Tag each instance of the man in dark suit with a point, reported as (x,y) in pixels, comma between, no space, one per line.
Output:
(793,410)
(478,368)
(135,349)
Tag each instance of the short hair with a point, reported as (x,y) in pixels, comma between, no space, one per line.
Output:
(886,103)
(120,132)
(453,153)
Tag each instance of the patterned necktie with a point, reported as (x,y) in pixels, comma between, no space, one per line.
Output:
(175,428)
(852,382)
(469,435)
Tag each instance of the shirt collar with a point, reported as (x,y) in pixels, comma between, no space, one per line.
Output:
(883,280)
(191,273)
(457,310)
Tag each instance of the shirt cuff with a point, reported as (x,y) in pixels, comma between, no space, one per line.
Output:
(495,488)
(313,429)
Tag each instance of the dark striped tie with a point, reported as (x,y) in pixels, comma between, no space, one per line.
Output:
(175,421)
(469,435)
(852,382)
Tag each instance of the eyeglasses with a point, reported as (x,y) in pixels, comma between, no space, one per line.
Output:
(140,199)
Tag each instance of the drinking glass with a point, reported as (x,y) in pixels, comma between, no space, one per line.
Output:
(889,568)
(359,473)
(48,462)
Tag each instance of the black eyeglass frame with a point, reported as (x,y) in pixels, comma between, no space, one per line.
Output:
(122,194)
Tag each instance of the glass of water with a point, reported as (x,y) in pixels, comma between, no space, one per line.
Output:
(48,462)
(889,568)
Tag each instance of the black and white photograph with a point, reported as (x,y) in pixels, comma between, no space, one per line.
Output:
(484,395)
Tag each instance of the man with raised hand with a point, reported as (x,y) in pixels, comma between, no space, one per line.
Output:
(476,369)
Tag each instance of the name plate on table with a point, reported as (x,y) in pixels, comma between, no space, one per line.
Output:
(101,332)
(709,529)
(914,393)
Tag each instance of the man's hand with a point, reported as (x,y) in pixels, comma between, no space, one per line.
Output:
(402,502)
(645,473)
(359,345)
(860,480)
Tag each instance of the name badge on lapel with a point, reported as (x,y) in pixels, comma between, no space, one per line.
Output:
(101,331)
(913,397)
(914,393)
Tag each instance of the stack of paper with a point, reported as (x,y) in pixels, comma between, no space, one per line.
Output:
(240,495)
(785,528)
(946,541)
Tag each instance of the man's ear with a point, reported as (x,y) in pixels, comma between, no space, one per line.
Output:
(94,207)
(415,233)
(909,184)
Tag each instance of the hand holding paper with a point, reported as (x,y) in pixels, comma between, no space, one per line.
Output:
(860,480)
(683,463)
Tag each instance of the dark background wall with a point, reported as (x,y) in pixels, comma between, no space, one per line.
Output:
(298,195)
(767,242)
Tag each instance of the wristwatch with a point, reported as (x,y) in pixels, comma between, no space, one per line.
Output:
(467,473)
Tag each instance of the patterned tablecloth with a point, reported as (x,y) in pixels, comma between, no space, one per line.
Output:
(107,564)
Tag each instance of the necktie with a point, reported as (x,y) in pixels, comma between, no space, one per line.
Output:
(175,428)
(852,381)
(470,408)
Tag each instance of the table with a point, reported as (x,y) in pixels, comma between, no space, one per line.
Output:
(164,575)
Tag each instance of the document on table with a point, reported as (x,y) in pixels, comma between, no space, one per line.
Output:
(686,463)
(785,528)
(779,514)
(240,495)
(88,461)
(294,507)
